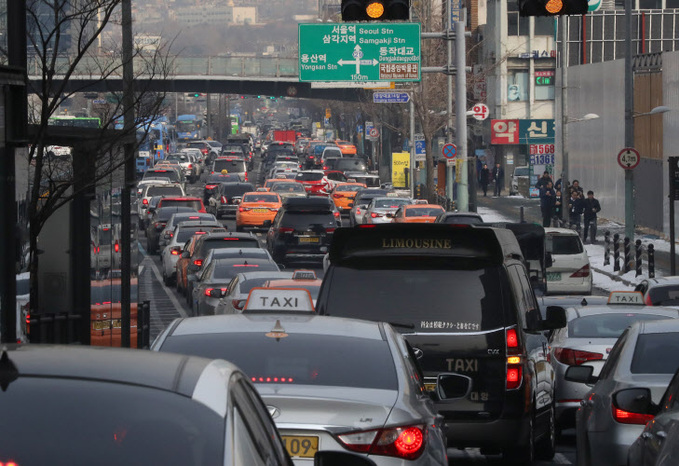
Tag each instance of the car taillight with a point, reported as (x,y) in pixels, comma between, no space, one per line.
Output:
(374,215)
(243,209)
(329,230)
(215,292)
(286,230)
(210,186)
(145,201)
(336,214)
(159,225)
(224,200)
(337,196)
(647,300)
(198,262)
(176,251)
(246,176)
(358,210)
(626,417)
(204,151)
(406,442)
(581,273)
(190,166)
(574,357)
(116,247)
(271,379)
(514,374)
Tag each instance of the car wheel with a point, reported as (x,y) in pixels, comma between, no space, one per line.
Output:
(545,448)
(165,279)
(521,455)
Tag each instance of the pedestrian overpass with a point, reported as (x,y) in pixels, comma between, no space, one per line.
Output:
(267,76)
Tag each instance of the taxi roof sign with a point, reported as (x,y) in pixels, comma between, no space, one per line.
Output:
(626,297)
(304,275)
(281,300)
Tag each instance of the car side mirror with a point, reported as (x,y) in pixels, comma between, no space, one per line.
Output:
(389,215)
(267,224)
(341,458)
(185,254)
(635,400)
(451,386)
(555,319)
(581,374)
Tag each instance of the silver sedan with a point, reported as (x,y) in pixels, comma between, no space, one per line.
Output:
(589,336)
(329,383)
(382,209)
(645,355)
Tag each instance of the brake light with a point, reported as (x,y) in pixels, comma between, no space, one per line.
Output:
(512,341)
(374,215)
(336,214)
(198,262)
(581,273)
(246,176)
(514,366)
(246,265)
(210,186)
(224,200)
(204,151)
(358,210)
(209,291)
(574,357)
(337,196)
(329,230)
(243,209)
(272,379)
(626,417)
(176,251)
(145,201)
(513,377)
(401,442)
(286,230)
(116,247)
(190,166)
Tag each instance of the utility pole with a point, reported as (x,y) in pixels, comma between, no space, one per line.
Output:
(563,32)
(412,148)
(461,110)
(129,168)
(449,127)
(629,121)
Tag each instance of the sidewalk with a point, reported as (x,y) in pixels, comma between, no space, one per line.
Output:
(507,209)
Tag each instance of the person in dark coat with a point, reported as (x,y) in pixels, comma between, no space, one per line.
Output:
(575,206)
(558,208)
(542,181)
(591,207)
(547,200)
(484,179)
(499,178)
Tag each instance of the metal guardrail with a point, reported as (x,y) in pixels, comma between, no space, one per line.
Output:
(94,66)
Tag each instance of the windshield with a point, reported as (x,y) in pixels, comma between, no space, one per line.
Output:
(662,295)
(227,242)
(185,234)
(228,271)
(309,176)
(186,126)
(194,204)
(288,188)
(423,211)
(390,292)
(260,198)
(231,190)
(94,422)
(605,325)
(301,220)
(350,165)
(344,361)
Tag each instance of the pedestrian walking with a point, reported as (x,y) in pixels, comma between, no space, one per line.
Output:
(547,199)
(576,187)
(591,207)
(498,178)
(484,179)
(575,210)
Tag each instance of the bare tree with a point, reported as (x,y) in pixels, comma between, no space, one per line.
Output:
(67,38)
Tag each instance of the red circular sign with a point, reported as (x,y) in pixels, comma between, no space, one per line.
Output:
(629,158)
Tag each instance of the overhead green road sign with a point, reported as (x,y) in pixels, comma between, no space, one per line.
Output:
(358,52)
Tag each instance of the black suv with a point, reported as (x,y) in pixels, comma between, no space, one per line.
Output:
(302,229)
(462,298)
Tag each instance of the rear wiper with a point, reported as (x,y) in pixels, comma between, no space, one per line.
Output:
(402,325)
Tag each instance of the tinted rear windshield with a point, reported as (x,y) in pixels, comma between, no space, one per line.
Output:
(344,362)
(393,203)
(365,198)
(164,191)
(332,153)
(171,174)
(185,234)
(664,295)
(566,244)
(350,164)
(92,422)
(410,292)
(462,220)
(214,243)
(232,149)
(308,219)
(423,212)
(224,272)
(231,166)
(218,178)
(605,325)
(231,190)
(288,188)
(309,176)
(656,353)
(194,204)
(260,198)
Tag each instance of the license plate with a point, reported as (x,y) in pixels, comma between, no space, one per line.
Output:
(430,387)
(260,211)
(309,239)
(299,446)
(553,276)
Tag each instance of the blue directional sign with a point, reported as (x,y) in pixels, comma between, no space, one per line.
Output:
(420,147)
(381,97)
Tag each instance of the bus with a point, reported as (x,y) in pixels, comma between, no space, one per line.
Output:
(189,127)
(76,122)
(235,124)
(156,144)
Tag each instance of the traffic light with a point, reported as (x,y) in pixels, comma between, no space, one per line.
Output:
(552,7)
(376,10)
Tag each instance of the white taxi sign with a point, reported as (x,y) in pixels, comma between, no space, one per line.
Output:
(303,274)
(626,297)
(279,300)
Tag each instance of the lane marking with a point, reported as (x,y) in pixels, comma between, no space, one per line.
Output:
(559,458)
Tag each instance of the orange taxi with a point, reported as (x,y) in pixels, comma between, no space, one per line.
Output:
(256,208)
(417,213)
(344,194)
(346,147)
(305,279)
(267,183)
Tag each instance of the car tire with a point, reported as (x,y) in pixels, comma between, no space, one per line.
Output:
(545,448)
(521,455)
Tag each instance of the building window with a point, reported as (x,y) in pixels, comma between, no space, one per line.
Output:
(516,25)
(544,92)
(545,26)
(517,86)
(650,4)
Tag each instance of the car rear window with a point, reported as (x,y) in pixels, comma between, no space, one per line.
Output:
(566,244)
(231,166)
(231,190)
(171,174)
(260,198)
(192,203)
(348,188)
(407,291)
(232,149)
(227,242)
(605,325)
(287,188)
(350,164)
(224,272)
(391,203)
(169,428)
(184,234)
(656,353)
(309,176)
(164,191)
(344,361)
(364,198)
(664,295)
(423,212)
(219,178)
(462,220)
(332,153)
(299,220)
